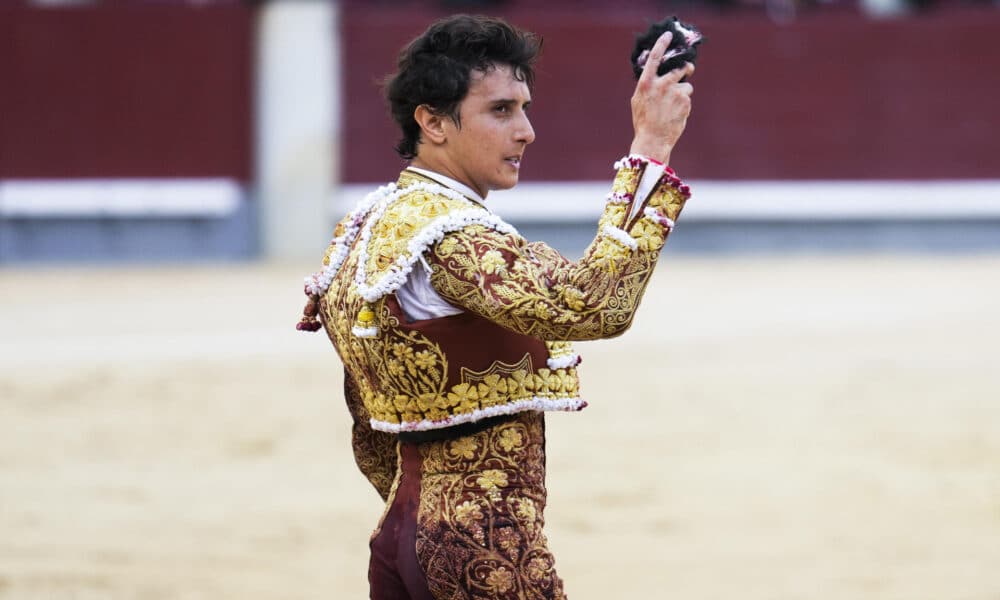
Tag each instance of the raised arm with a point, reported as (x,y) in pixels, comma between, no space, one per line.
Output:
(532,289)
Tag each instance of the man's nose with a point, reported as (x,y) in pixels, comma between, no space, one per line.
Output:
(525,132)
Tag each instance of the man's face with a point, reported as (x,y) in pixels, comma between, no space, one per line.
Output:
(485,151)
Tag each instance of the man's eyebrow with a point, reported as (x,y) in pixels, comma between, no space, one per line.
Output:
(510,101)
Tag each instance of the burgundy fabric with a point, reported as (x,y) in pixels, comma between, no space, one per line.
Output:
(473,342)
(394,573)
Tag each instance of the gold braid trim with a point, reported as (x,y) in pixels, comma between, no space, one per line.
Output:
(478,398)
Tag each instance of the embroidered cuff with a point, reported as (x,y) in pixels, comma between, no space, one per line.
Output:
(670,178)
(633,161)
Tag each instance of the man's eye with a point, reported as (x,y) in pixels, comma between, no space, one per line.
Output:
(503,108)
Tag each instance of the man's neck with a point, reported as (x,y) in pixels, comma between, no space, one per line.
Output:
(458,186)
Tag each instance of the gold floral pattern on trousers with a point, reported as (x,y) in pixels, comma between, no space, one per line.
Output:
(479,525)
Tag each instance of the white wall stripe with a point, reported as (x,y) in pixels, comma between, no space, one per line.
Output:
(550,201)
(88,198)
(750,201)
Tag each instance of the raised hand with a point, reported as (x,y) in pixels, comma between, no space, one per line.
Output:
(660,105)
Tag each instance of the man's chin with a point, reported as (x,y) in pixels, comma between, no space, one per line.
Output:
(505,184)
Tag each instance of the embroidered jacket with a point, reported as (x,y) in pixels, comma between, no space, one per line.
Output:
(509,351)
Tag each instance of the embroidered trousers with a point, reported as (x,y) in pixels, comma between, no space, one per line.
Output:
(465,517)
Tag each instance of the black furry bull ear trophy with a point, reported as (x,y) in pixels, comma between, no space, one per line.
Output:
(683,47)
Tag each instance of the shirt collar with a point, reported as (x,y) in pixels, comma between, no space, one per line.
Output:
(451,183)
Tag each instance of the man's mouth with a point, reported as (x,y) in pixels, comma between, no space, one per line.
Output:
(514,161)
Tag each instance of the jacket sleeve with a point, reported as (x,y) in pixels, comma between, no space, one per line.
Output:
(374,451)
(531,289)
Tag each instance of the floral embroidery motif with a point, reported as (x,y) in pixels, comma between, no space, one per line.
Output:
(492,479)
(510,439)
(482,496)
(468,513)
(400,378)
(500,580)
(531,289)
(493,262)
(463,447)
(480,520)
(649,235)
(400,227)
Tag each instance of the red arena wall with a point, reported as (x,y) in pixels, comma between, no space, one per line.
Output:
(160,90)
(109,92)
(828,96)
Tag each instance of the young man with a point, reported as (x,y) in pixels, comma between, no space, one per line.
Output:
(454,330)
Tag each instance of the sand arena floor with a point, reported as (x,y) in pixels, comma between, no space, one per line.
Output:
(769,429)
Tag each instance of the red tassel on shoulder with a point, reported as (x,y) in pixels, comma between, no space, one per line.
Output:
(309,322)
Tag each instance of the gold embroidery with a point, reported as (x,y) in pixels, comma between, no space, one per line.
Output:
(541,293)
(501,580)
(490,390)
(374,451)
(492,479)
(498,367)
(626,180)
(391,234)
(464,447)
(480,520)
(402,376)
(493,262)
(560,349)
(668,200)
(510,439)
(482,497)
(468,513)
(614,216)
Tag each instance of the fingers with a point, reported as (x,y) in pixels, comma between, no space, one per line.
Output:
(655,56)
(688,70)
(678,74)
(684,88)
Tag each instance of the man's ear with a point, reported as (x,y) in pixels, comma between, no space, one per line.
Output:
(431,124)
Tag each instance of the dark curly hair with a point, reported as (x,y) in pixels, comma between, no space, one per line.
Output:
(435,69)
